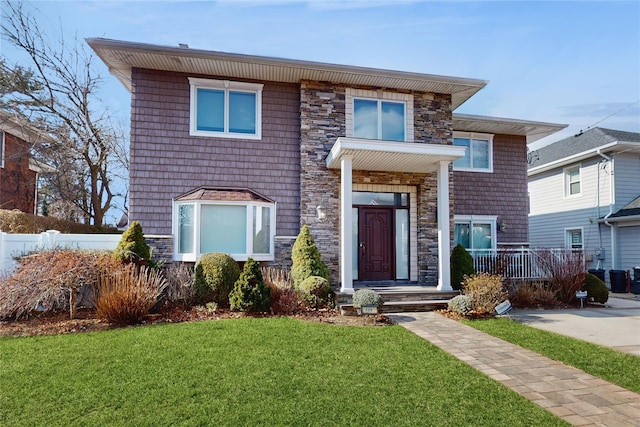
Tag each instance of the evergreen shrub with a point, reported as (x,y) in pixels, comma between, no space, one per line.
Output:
(132,246)
(367,297)
(306,259)
(315,290)
(250,292)
(461,266)
(596,289)
(215,275)
(460,304)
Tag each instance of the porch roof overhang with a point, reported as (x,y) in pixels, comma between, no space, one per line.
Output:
(391,156)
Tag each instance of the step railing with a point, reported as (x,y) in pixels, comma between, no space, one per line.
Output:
(521,263)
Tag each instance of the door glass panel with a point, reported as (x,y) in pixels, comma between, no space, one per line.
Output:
(380,199)
(356,243)
(402,244)
(223,229)
(461,235)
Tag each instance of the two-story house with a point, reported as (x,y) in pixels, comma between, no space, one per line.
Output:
(585,194)
(18,171)
(233,153)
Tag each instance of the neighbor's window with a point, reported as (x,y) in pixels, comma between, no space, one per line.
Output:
(240,229)
(479,154)
(574,239)
(379,119)
(225,108)
(475,232)
(572,186)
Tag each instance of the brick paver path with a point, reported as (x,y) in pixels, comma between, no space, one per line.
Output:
(573,395)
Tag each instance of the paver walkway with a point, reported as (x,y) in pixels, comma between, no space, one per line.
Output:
(575,396)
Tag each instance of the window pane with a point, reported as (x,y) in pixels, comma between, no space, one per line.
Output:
(463,162)
(573,177)
(402,244)
(185,229)
(223,229)
(461,235)
(480,152)
(575,239)
(393,121)
(210,105)
(242,112)
(261,229)
(482,236)
(365,119)
(380,199)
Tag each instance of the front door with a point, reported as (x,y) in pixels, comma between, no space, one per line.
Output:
(376,243)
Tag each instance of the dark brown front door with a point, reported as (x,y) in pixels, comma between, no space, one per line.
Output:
(376,245)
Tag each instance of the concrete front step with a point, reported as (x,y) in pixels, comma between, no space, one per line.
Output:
(399,306)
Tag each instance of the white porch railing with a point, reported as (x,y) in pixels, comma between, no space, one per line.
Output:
(512,263)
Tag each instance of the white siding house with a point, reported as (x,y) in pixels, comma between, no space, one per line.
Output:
(585,194)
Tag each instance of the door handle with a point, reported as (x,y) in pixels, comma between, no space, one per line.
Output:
(362,247)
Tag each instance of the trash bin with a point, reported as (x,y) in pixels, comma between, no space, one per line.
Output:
(618,279)
(635,285)
(599,273)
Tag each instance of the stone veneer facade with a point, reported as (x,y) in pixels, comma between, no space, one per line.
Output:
(322,121)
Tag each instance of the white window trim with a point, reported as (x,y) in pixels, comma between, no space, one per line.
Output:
(479,136)
(226,86)
(567,242)
(2,142)
(482,219)
(195,255)
(374,95)
(566,183)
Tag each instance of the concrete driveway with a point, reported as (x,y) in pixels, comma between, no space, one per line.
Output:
(615,325)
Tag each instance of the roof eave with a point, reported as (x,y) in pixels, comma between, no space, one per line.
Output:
(532,130)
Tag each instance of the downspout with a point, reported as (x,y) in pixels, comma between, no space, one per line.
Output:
(611,204)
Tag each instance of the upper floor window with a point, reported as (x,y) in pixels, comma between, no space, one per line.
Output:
(572,182)
(479,154)
(225,108)
(372,114)
(378,119)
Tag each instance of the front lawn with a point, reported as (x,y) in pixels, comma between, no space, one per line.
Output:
(616,367)
(248,372)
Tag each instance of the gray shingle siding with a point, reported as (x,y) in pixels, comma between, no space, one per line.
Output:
(502,193)
(166,161)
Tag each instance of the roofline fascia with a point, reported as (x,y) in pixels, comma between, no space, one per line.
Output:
(97,42)
(627,218)
(570,159)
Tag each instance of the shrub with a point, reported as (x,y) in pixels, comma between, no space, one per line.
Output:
(564,271)
(180,287)
(596,289)
(15,221)
(249,292)
(284,301)
(306,259)
(127,294)
(51,281)
(486,291)
(316,290)
(531,295)
(460,304)
(461,266)
(278,277)
(215,276)
(367,297)
(132,246)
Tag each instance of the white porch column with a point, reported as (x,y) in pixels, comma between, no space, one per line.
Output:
(444,229)
(346,232)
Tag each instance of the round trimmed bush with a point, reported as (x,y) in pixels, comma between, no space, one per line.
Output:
(315,289)
(460,304)
(596,289)
(215,275)
(367,297)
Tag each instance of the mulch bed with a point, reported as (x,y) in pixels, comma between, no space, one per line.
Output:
(85,320)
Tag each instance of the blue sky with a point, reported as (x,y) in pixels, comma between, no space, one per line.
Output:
(574,62)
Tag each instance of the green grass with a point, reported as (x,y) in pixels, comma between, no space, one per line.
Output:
(249,372)
(616,367)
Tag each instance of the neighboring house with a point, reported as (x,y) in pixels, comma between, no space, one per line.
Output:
(18,171)
(585,194)
(234,153)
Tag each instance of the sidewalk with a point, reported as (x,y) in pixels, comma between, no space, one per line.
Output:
(573,395)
